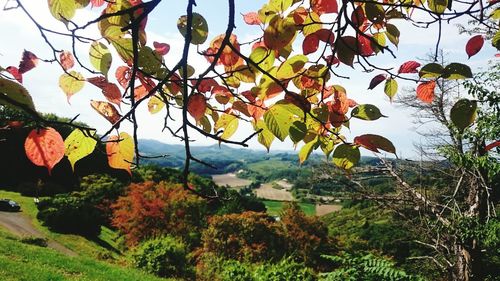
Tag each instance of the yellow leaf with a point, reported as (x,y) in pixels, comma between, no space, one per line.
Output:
(120,150)
(229,123)
(78,145)
(71,83)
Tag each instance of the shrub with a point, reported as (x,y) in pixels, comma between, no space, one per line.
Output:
(287,269)
(149,210)
(164,256)
(70,213)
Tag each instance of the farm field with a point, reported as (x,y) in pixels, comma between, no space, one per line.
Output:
(323,209)
(230,179)
(267,191)
(274,207)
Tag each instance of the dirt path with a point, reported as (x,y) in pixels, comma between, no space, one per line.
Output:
(20,225)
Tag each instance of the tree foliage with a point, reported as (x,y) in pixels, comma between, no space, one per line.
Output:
(283,91)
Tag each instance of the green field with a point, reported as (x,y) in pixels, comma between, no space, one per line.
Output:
(274,207)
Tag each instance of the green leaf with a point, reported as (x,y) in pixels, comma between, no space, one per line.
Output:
(279,119)
(263,57)
(366,112)
(149,61)
(457,71)
(311,24)
(265,137)
(124,48)
(392,33)
(71,83)
(78,145)
(495,41)
(306,150)
(374,12)
(291,67)
(16,92)
(431,70)
(346,156)
(280,5)
(229,123)
(279,33)
(437,6)
(199,32)
(391,88)
(297,131)
(100,57)
(463,113)
(62,10)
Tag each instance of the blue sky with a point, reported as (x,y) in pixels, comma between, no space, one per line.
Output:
(18,33)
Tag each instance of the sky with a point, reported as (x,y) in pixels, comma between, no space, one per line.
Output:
(18,33)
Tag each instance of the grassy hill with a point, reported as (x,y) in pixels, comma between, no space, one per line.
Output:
(19,261)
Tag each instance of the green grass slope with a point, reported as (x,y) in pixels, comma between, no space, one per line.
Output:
(19,261)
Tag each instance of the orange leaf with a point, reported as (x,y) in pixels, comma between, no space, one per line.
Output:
(107,110)
(67,60)
(252,18)
(196,106)
(28,62)
(374,143)
(44,147)
(120,150)
(425,91)
(123,75)
(409,67)
(112,93)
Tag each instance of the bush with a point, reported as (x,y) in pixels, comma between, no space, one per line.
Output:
(287,269)
(163,256)
(70,213)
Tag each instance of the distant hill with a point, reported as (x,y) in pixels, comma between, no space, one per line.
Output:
(224,157)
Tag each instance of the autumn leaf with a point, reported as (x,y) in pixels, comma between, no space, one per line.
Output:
(44,147)
(71,83)
(425,91)
(155,104)
(78,145)
(346,156)
(374,143)
(391,88)
(310,44)
(15,92)
(196,106)
(199,30)
(366,112)
(100,57)
(161,48)
(14,71)
(474,45)
(123,75)
(324,6)
(409,67)
(252,18)
(106,110)
(28,62)
(376,81)
(227,122)
(463,113)
(96,3)
(120,150)
(67,60)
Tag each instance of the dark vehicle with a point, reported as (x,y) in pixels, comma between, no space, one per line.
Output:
(9,205)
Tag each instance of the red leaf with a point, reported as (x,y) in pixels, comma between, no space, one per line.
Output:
(474,45)
(310,44)
(365,46)
(44,147)
(106,110)
(205,85)
(299,15)
(377,80)
(161,48)
(15,73)
(67,60)
(425,91)
(252,18)
(112,93)
(196,106)
(358,17)
(140,92)
(352,103)
(492,145)
(123,75)
(28,62)
(331,60)
(324,6)
(409,67)
(98,81)
(374,143)
(325,35)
